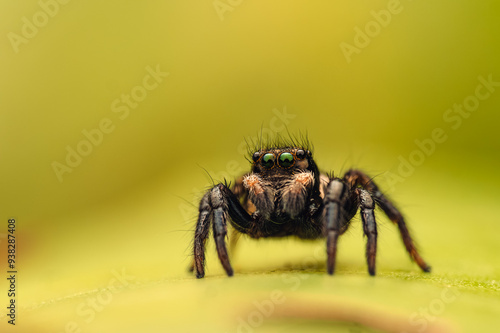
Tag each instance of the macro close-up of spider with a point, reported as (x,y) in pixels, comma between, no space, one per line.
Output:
(285,194)
(250,166)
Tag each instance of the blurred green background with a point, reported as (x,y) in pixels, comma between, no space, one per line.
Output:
(127,203)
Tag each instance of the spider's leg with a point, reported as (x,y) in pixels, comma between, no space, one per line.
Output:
(233,240)
(240,192)
(235,234)
(359,178)
(219,206)
(369,228)
(223,203)
(200,236)
(215,206)
(240,219)
(203,227)
(396,217)
(334,218)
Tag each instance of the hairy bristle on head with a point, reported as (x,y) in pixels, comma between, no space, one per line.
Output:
(265,142)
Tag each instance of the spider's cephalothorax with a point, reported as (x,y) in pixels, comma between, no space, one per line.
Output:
(284,194)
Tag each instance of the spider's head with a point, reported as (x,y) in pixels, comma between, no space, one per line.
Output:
(281,161)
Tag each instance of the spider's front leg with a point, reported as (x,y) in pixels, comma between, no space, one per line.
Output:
(340,204)
(369,227)
(335,218)
(201,234)
(215,206)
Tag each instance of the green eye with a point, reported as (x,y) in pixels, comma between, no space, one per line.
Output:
(286,160)
(268,160)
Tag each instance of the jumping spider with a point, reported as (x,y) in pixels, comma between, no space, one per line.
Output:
(285,194)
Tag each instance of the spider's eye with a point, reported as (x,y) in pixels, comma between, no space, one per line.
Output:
(300,154)
(286,160)
(268,160)
(255,156)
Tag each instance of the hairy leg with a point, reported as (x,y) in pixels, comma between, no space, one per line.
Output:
(203,227)
(217,206)
(335,197)
(369,227)
(358,178)
(201,234)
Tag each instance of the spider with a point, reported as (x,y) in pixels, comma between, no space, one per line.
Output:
(284,194)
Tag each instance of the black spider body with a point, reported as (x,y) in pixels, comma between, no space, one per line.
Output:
(285,194)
